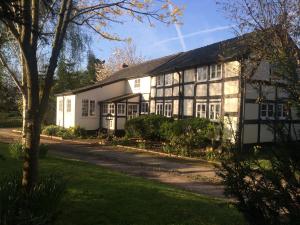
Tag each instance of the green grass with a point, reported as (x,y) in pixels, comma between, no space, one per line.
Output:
(100,196)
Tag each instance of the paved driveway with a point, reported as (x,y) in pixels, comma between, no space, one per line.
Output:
(193,175)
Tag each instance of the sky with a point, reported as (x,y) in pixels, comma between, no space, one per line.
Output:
(203,23)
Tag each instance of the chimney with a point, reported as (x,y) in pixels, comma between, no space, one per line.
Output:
(124,65)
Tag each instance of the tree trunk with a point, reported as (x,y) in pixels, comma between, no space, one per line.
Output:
(31,147)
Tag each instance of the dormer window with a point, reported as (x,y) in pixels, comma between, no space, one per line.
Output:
(137,83)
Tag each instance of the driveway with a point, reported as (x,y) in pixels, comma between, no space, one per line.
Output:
(189,174)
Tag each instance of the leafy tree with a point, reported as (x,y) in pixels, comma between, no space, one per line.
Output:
(267,186)
(91,66)
(40,27)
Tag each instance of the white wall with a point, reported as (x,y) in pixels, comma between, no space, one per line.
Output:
(145,85)
(97,94)
(64,118)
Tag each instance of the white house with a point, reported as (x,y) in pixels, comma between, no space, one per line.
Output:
(204,82)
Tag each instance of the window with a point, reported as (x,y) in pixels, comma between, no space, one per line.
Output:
(159,109)
(85,108)
(168,79)
(214,111)
(68,105)
(216,71)
(92,108)
(111,108)
(168,109)
(160,81)
(132,111)
(201,110)
(105,108)
(267,111)
(202,73)
(121,108)
(137,83)
(60,105)
(144,107)
(282,111)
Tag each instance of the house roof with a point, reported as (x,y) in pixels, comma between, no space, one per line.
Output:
(220,51)
(121,97)
(135,71)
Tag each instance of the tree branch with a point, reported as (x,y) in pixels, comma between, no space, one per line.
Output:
(12,74)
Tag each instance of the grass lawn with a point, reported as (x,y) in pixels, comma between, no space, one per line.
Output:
(99,196)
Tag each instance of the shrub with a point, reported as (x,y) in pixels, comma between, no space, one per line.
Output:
(36,207)
(16,150)
(78,131)
(52,130)
(267,193)
(185,135)
(43,150)
(146,127)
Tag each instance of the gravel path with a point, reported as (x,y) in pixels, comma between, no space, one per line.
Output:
(189,174)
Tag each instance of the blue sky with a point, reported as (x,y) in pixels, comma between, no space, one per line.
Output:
(203,24)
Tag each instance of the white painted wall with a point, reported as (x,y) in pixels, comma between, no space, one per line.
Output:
(64,118)
(145,85)
(97,94)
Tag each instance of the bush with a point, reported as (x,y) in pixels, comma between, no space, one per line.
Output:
(70,133)
(146,127)
(37,207)
(16,150)
(52,130)
(268,192)
(43,151)
(185,135)
(11,122)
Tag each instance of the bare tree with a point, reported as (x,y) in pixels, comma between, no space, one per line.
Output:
(38,28)
(121,56)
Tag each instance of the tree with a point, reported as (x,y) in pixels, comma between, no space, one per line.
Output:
(121,56)
(267,185)
(39,28)
(91,66)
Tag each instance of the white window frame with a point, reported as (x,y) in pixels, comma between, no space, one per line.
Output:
(213,114)
(159,109)
(137,83)
(202,73)
(130,111)
(215,68)
(168,79)
(105,108)
(282,111)
(121,109)
(92,109)
(111,108)
(69,105)
(160,81)
(168,109)
(200,113)
(85,108)
(60,105)
(144,107)
(267,111)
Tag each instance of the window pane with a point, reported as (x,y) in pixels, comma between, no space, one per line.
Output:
(85,107)
(270,110)
(219,70)
(92,108)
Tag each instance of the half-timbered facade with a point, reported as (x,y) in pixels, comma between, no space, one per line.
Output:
(205,82)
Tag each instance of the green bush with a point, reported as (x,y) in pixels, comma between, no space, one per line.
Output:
(37,207)
(77,131)
(11,122)
(185,135)
(16,150)
(52,130)
(70,133)
(43,150)
(146,127)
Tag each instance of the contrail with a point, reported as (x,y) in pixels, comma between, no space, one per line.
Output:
(179,33)
(193,34)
